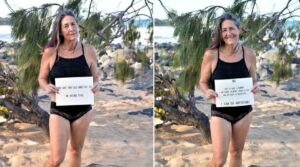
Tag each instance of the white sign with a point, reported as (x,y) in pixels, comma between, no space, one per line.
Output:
(74,91)
(234,92)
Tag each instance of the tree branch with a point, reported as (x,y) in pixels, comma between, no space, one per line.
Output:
(90,5)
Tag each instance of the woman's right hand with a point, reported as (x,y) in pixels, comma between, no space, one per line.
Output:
(51,89)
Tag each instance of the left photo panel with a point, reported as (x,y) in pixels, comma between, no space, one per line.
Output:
(76,83)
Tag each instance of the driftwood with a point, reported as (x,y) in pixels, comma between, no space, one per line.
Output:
(181,111)
(21,107)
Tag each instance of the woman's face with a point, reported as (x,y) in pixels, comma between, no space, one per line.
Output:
(69,28)
(230,32)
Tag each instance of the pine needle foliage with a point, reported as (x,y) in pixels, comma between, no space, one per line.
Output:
(31,27)
(123,71)
(91,27)
(131,34)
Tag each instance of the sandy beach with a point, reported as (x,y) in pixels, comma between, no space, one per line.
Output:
(120,134)
(273,139)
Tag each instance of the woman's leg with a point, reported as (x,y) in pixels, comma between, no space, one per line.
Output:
(239,134)
(78,133)
(59,129)
(220,130)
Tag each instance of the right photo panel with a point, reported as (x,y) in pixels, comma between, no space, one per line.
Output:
(227,83)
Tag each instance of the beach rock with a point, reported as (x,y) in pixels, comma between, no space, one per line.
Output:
(138,68)
(106,70)
(103,59)
(271,55)
(123,54)
(3,44)
(298,53)
(295,69)
(263,67)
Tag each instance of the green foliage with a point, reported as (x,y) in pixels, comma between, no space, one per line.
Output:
(282,67)
(141,58)
(32,27)
(159,112)
(194,35)
(163,95)
(123,71)
(6,91)
(92,25)
(281,71)
(131,34)
(75,6)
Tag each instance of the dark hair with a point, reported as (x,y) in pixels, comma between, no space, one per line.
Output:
(217,40)
(56,37)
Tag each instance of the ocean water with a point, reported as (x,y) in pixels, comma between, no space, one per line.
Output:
(164,34)
(5,33)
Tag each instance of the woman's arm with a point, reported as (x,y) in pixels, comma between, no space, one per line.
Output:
(93,66)
(206,71)
(44,71)
(252,69)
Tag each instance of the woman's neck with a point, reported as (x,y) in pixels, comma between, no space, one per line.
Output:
(231,49)
(69,45)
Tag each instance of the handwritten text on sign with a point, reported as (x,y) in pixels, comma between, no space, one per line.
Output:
(74,91)
(234,92)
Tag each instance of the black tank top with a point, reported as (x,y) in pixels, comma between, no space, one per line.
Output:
(225,70)
(73,67)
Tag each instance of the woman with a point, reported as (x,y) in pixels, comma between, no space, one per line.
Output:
(65,56)
(226,58)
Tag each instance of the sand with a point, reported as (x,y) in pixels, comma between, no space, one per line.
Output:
(120,134)
(273,139)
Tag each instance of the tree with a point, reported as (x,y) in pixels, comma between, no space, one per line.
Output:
(31,26)
(131,34)
(194,30)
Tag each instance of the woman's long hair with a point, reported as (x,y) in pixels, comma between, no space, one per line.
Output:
(217,40)
(56,36)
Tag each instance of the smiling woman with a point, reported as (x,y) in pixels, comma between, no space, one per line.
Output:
(226,58)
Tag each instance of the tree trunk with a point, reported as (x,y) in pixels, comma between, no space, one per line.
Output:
(35,115)
(182,111)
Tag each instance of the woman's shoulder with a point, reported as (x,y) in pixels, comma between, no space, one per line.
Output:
(249,51)
(90,51)
(49,51)
(89,48)
(210,54)
(250,54)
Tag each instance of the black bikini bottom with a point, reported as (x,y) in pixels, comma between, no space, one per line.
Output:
(70,113)
(231,114)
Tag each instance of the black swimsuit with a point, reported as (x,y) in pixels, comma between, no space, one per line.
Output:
(74,67)
(225,70)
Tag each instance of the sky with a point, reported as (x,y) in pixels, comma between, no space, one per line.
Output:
(183,6)
(105,6)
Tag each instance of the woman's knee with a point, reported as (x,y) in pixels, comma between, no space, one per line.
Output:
(56,161)
(219,162)
(236,152)
(75,150)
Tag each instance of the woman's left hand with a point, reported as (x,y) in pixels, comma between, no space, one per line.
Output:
(95,87)
(254,90)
